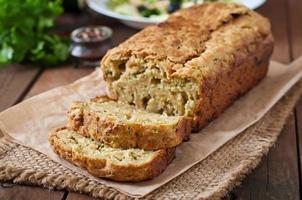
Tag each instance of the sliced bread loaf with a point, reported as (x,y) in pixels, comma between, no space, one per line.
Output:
(104,161)
(121,125)
(196,63)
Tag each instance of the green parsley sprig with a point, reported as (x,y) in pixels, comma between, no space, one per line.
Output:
(24,32)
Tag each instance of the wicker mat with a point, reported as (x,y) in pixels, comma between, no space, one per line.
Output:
(210,179)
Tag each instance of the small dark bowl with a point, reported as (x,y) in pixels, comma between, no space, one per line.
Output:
(90,49)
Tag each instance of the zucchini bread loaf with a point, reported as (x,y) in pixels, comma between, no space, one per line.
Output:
(194,64)
(112,163)
(121,125)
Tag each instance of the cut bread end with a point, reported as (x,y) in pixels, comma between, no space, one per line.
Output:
(113,163)
(120,125)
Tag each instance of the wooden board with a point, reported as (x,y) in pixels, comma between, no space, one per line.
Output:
(277,177)
(15,80)
(295,35)
(298,112)
(76,196)
(20,192)
(276,11)
(59,76)
(295,27)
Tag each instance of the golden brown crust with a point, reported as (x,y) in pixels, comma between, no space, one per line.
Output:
(126,135)
(183,36)
(106,169)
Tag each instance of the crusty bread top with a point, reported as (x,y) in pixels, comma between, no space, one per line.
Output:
(185,34)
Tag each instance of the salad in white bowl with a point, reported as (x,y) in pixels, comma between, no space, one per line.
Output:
(139,13)
(153,8)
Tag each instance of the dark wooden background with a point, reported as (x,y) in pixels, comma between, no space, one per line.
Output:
(279,174)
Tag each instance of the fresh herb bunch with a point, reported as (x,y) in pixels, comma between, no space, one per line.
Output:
(24,32)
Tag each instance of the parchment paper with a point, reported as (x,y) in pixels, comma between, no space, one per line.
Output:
(28,122)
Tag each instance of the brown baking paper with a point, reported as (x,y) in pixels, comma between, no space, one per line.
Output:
(28,123)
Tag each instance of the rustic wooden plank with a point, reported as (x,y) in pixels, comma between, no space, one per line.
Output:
(58,76)
(295,25)
(21,192)
(14,81)
(251,184)
(76,196)
(277,177)
(298,112)
(275,10)
(283,173)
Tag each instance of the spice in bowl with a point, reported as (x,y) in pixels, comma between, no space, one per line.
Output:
(90,34)
(90,43)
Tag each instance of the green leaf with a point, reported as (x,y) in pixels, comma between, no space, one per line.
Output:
(24,32)
(6,53)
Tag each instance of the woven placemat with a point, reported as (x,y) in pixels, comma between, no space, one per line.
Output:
(212,178)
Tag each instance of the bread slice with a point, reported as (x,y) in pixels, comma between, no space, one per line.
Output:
(112,163)
(121,125)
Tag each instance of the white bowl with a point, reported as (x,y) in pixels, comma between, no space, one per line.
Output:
(140,22)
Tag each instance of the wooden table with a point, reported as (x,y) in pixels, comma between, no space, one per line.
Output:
(279,174)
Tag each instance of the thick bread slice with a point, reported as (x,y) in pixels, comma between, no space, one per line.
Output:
(112,163)
(121,125)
